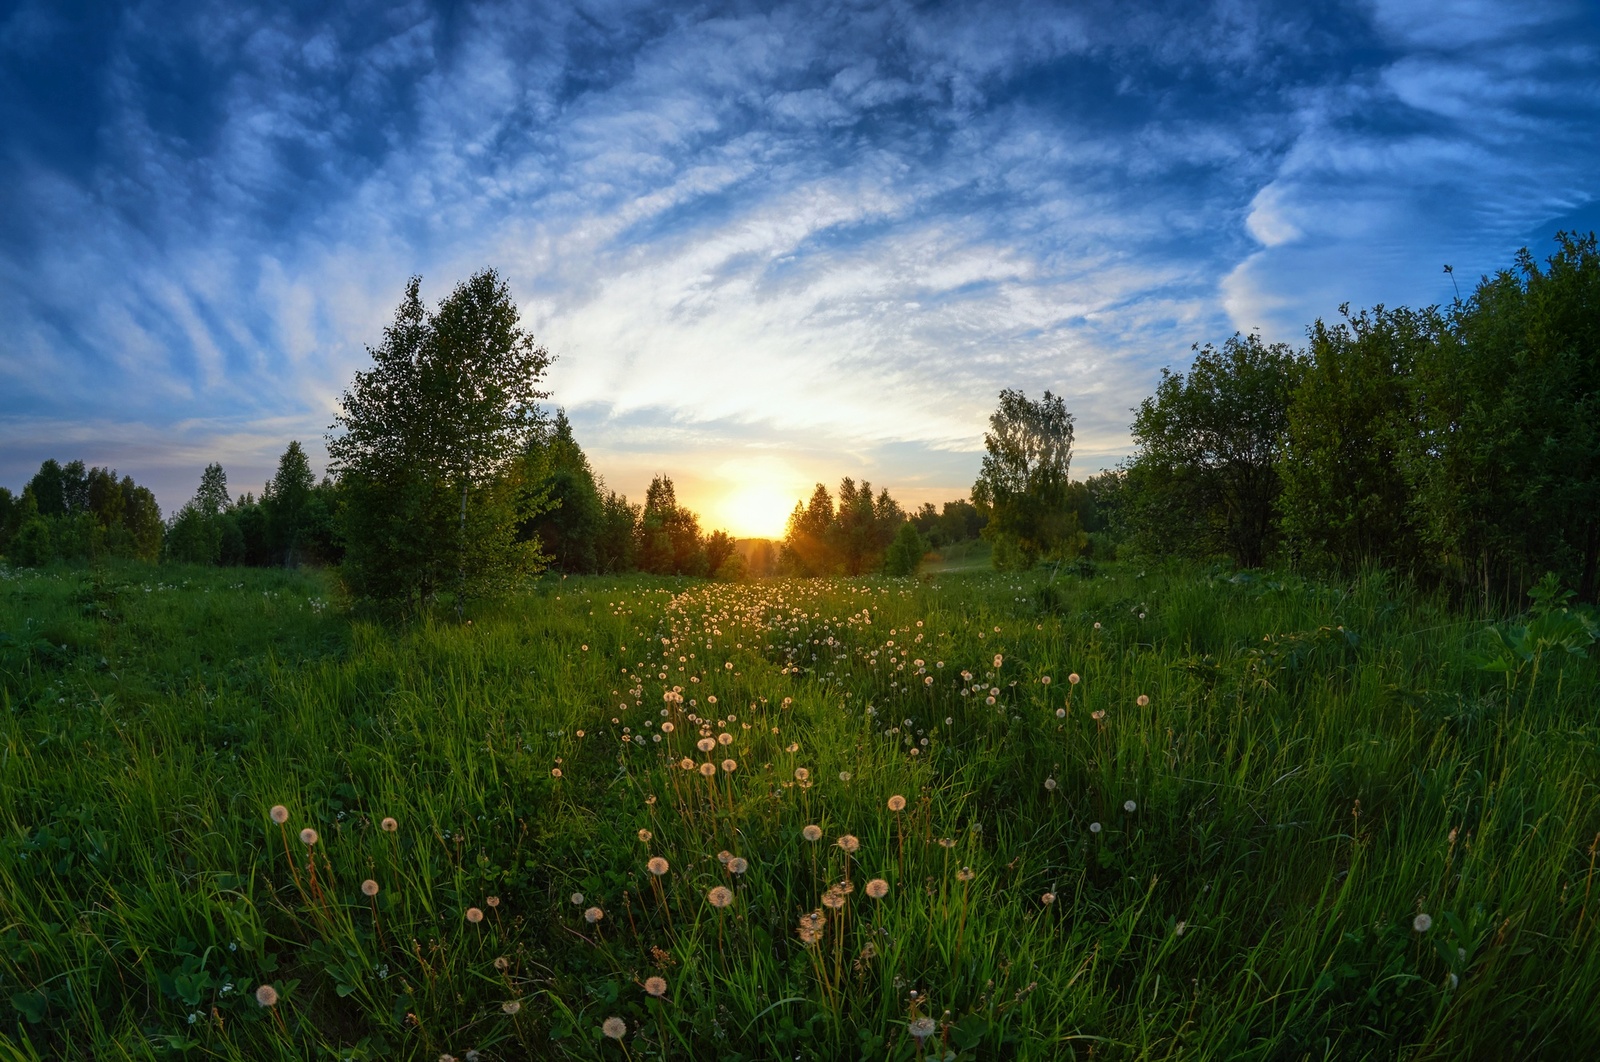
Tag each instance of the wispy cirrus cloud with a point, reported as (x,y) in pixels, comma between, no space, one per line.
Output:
(786,243)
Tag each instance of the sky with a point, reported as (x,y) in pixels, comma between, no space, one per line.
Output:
(769,245)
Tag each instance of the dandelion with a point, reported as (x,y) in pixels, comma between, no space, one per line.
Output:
(812,833)
(502,964)
(844,776)
(267,996)
(801,774)
(706,744)
(966,874)
(833,899)
(998,659)
(1073,679)
(1061,713)
(1097,625)
(369,887)
(279,814)
(1094,827)
(1098,714)
(947,842)
(1422,923)
(1142,701)
(849,843)
(708,769)
(511,1006)
(389,825)
(555,772)
(729,766)
(686,763)
(1180,928)
(723,856)
(474,915)
(724,738)
(667,727)
(615,1028)
(1045,681)
(645,835)
(1050,784)
(577,899)
(877,888)
(657,866)
(593,915)
(921,1029)
(897,803)
(655,986)
(811,926)
(1130,807)
(736,865)
(720,897)
(1048,898)
(308,837)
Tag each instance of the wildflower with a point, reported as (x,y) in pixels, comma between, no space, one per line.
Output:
(966,874)
(811,926)
(555,772)
(686,763)
(1179,928)
(833,899)
(1130,807)
(736,865)
(921,1029)
(645,835)
(928,681)
(1045,681)
(1097,625)
(267,996)
(1073,679)
(844,776)
(706,744)
(369,887)
(667,727)
(719,897)
(729,766)
(502,964)
(849,842)
(279,814)
(897,803)
(708,769)
(724,738)
(877,888)
(657,866)
(577,899)
(801,774)
(308,837)
(1098,714)
(998,659)
(615,1028)
(655,986)
(723,856)
(474,915)
(1048,898)
(1142,701)
(1061,713)
(511,1006)
(1050,784)
(1422,923)
(947,842)
(593,915)
(812,833)
(389,825)
(1094,827)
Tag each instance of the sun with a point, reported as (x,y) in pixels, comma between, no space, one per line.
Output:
(754,510)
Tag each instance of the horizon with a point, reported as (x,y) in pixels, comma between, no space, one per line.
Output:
(768,250)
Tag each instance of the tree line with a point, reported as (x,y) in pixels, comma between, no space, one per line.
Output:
(1456,445)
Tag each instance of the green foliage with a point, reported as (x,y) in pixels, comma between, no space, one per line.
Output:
(1313,767)
(429,447)
(905,553)
(1204,480)
(1023,489)
(669,534)
(848,540)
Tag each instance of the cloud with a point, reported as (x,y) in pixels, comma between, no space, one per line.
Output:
(815,235)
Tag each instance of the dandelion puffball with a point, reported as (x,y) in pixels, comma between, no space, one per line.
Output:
(657,866)
(1422,923)
(577,899)
(1048,898)
(1130,807)
(966,874)
(812,833)
(921,1028)
(877,888)
(1073,679)
(897,803)
(849,842)
(267,996)
(615,1028)
(655,986)
(708,769)
(706,744)
(389,825)
(593,915)
(737,865)
(1142,700)
(719,897)
(474,915)
(729,766)
(801,774)
(308,837)
(1094,827)
(645,835)
(279,814)
(369,887)
(511,1006)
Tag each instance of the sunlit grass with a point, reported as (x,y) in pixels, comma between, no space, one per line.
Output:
(1217,843)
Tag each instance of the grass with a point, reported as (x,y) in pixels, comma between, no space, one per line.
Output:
(1235,868)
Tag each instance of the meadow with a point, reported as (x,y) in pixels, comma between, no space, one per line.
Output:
(1171,813)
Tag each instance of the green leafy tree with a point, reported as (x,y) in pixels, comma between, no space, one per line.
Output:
(669,534)
(1346,501)
(569,529)
(617,536)
(806,549)
(905,552)
(1204,479)
(286,507)
(1022,486)
(428,445)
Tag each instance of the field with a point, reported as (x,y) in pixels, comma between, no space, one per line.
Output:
(1149,815)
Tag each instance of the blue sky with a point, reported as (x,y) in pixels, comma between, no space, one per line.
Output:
(770,244)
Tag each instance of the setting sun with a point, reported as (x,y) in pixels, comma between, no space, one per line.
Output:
(756,497)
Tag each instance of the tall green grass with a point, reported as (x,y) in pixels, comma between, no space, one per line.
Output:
(1234,868)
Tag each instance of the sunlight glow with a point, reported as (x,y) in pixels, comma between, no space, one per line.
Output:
(756,497)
